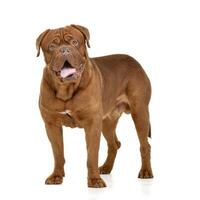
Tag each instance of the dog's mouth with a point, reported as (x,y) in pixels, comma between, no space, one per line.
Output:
(68,72)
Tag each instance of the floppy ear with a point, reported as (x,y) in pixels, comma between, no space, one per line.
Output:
(39,40)
(84,31)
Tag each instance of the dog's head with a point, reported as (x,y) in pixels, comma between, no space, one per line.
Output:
(65,51)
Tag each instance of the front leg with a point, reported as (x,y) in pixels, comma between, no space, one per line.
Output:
(55,136)
(93,133)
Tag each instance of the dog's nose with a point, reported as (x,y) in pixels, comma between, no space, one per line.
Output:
(64,50)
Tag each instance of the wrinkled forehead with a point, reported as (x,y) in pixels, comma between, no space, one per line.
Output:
(62,33)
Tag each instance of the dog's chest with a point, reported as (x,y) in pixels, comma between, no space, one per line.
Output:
(70,119)
(65,112)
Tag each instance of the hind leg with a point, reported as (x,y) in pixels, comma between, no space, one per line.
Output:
(140,115)
(108,129)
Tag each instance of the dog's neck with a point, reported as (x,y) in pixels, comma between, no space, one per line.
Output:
(65,91)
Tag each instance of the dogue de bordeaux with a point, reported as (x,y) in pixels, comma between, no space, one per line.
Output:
(90,93)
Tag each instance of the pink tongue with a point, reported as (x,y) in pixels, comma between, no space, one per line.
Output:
(65,72)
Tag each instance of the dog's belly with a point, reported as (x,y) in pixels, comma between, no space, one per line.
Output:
(72,120)
(121,105)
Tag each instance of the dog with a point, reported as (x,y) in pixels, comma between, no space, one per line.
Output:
(90,93)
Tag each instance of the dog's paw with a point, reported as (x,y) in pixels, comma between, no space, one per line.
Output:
(54,179)
(105,169)
(145,173)
(96,183)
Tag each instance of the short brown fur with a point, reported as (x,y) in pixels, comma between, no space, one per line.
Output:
(93,98)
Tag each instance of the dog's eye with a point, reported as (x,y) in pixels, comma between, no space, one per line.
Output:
(74,43)
(52,47)
(67,38)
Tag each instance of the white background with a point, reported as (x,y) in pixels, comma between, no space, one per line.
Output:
(164,36)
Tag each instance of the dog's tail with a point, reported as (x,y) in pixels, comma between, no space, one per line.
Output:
(149,131)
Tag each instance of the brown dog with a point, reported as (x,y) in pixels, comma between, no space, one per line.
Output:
(90,93)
